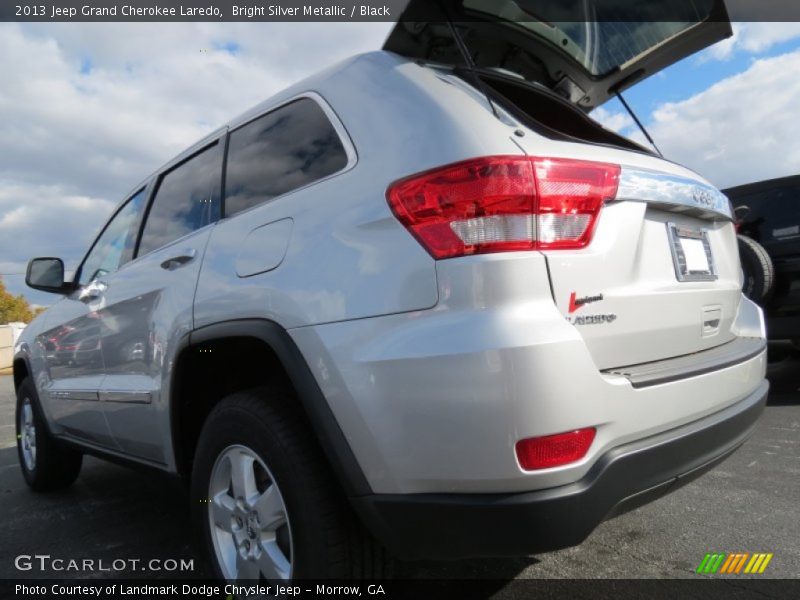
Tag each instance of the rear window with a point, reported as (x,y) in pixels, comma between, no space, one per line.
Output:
(186,200)
(285,149)
(604,35)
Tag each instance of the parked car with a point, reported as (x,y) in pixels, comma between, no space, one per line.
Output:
(768,214)
(411,308)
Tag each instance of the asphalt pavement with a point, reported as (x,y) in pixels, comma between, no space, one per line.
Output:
(749,503)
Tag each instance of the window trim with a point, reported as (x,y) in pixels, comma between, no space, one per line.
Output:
(158,178)
(150,186)
(136,225)
(226,141)
(333,119)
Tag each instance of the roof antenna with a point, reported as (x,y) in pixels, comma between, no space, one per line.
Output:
(462,48)
(618,94)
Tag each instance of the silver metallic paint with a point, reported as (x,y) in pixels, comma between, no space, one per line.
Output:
(432,369)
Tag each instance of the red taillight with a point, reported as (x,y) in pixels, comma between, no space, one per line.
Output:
(554,450)
(503,203)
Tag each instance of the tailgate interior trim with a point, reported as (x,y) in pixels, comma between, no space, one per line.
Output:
(691,365)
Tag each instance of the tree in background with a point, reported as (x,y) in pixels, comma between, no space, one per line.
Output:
(14,308)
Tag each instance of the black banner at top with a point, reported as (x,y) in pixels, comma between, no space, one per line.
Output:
(549,11)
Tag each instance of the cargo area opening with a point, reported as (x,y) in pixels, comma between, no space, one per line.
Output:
(550,115)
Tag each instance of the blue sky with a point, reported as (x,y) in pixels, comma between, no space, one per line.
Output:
(88,109)
(690,77)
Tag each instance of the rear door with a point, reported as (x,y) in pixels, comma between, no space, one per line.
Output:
(147,307)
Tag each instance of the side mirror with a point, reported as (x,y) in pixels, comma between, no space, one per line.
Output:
(47,275)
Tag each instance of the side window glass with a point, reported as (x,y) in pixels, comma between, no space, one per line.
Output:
(186,199)
(285,149)
(115,243)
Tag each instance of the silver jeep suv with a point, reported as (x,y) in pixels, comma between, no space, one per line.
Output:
(418,305)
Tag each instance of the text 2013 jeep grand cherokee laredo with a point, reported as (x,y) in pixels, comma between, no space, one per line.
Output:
(411,305)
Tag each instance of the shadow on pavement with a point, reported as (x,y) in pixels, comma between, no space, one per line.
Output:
(114,512)
(111,512)
(783,373)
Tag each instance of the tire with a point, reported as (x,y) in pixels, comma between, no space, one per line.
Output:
(289,520)
(759,272)
(47,465)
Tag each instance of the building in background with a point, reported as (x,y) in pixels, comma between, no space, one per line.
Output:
(9,334)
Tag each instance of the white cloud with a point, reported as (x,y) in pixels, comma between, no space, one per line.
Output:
(743,128)
(47,219)
(88,110)
(752,37)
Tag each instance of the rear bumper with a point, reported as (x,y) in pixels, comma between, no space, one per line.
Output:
(463,525)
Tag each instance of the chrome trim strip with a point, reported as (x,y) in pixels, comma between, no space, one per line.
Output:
(83,395)
(109,396)
(675,193)
(127,397)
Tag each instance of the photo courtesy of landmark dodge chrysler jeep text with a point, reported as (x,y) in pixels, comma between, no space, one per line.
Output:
(417,305)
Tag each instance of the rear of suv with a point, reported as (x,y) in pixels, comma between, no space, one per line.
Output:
(408,307)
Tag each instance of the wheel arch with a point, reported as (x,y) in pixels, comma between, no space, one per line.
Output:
(21,369)
(275,339)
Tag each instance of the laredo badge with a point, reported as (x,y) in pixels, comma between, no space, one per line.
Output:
(593,319)
(576,303)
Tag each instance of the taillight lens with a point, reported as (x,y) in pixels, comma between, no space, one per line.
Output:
(504,203)
(554,450)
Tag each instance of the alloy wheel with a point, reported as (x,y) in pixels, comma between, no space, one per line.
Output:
(248,518)
(27,433)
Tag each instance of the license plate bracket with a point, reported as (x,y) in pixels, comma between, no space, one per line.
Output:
(691,253)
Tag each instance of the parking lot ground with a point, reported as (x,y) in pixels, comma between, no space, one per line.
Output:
(749,503)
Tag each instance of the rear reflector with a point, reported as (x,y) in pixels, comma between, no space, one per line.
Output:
(504,203)
(554,450)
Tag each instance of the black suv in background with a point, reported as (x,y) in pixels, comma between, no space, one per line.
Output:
(768,220)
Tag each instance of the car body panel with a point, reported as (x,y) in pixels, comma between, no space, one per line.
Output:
(629,269)
(146,311)
(432,370)
(349,258)
(434,401)
(69,383)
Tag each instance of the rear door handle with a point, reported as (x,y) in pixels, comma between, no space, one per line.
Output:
(181,259)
